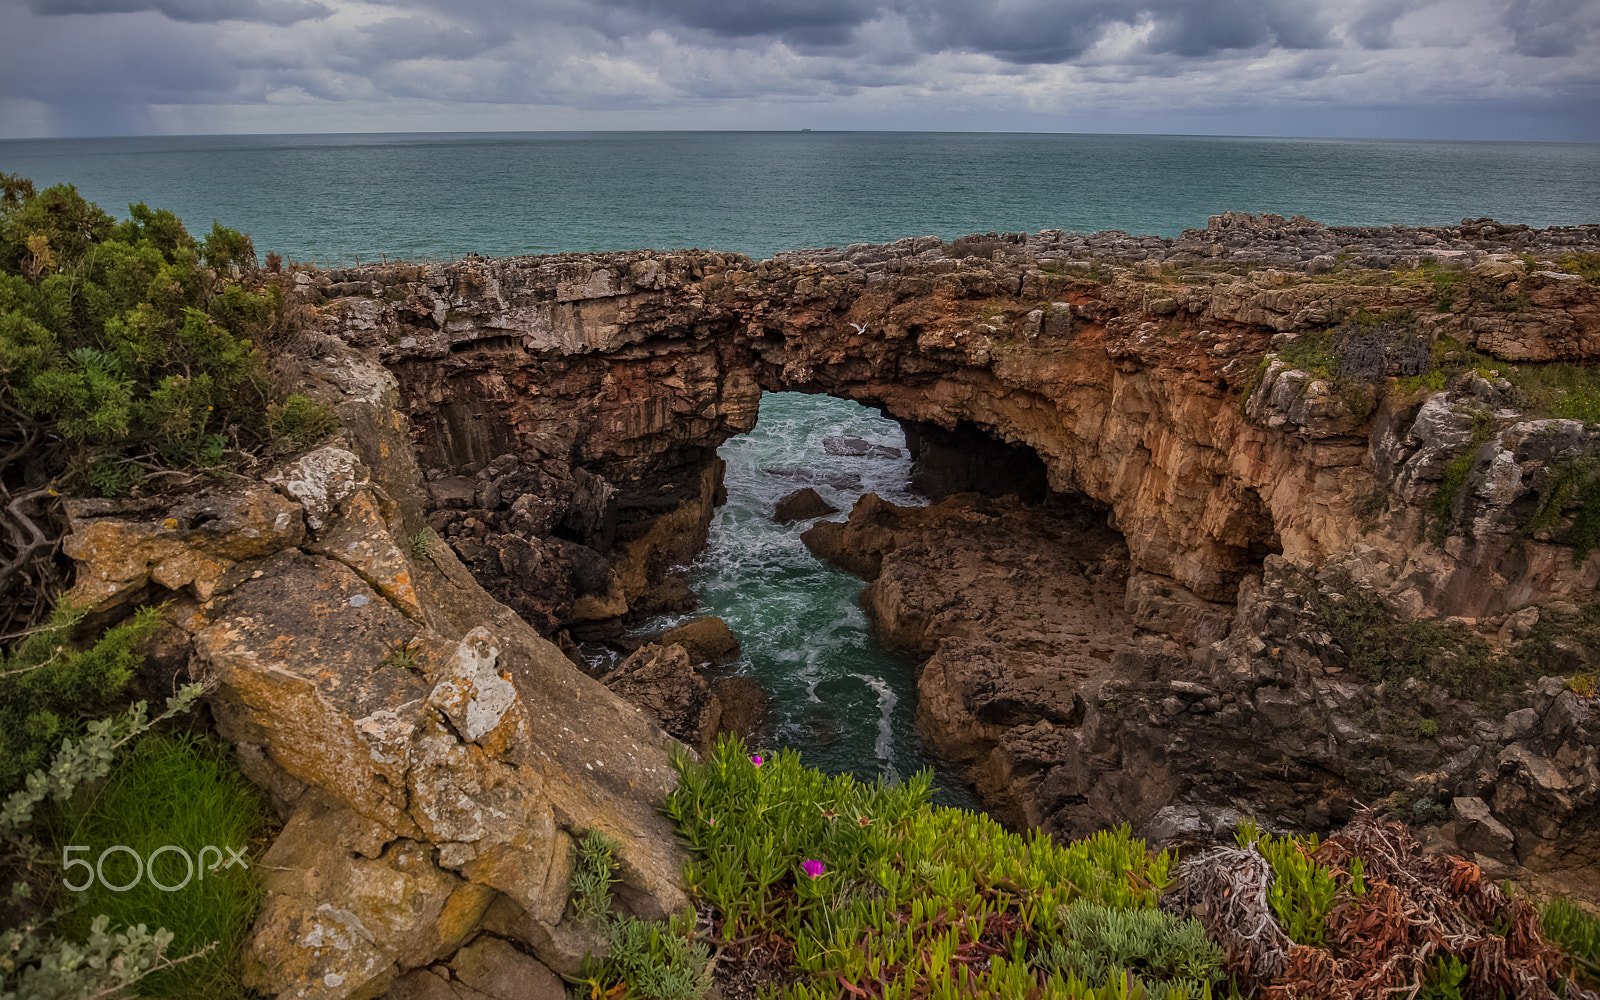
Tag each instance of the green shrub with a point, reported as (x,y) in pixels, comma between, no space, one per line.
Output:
(1585,264)
(653,961)
(1302,891)
(1445,979)
(1171,956)
(183,791)
(420,544)
(132,339)
(38,961)
(1577,480)
(1385,650)
(301,420)
(48,687)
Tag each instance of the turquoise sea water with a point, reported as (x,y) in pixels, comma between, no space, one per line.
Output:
(760,192)
(846,703)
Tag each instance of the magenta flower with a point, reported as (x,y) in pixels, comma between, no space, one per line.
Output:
(813,868)
(755,759)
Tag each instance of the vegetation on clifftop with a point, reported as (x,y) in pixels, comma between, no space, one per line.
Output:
(128,351)
(824,887)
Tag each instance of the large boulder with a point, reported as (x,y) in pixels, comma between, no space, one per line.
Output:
(662,681)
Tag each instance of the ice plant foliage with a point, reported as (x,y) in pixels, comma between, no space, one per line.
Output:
(926,903)
(918,901)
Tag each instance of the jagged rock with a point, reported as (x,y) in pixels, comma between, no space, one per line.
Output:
(745,705)
(432,753)
(847,444)
(195,543)
(347,907)
(1478,831)
(706,640)
(802,505)
(661,681)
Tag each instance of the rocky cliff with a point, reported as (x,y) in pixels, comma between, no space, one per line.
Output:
(1180,388)
(430,755)
(1233,436)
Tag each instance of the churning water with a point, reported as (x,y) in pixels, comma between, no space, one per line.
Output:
(837,696)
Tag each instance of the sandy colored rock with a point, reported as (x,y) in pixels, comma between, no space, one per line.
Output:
(706,640)
(496,969)
(433,754)
(194,543)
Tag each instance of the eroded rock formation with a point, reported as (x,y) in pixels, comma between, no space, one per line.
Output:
(1126,371)
(530,444)
(431,755)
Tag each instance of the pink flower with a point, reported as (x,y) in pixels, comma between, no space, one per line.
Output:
(712,821)
(755,759)
(813,868)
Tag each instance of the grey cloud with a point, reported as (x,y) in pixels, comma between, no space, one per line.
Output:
(422,38)
(1374,27)
(1546,28)
(1212,26)
(279,12)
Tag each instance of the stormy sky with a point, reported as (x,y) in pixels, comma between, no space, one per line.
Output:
(1479,69)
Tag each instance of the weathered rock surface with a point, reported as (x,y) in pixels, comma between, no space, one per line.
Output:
(1121,378)
(433,757)
(662,681)
(1187,715)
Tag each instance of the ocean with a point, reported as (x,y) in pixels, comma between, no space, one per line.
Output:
(761,192)
(841,699)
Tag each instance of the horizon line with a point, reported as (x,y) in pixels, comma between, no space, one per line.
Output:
(786,131)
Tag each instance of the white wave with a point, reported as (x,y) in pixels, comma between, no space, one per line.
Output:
(887,700)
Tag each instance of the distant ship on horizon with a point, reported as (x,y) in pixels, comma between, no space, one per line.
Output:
(805,130)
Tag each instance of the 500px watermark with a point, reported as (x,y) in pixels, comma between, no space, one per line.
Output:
(146,867)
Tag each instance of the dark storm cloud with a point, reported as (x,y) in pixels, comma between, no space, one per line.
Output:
(1547,28)
(199,65)
(1017,31)
(1209,27)
(803,22)
(278,12)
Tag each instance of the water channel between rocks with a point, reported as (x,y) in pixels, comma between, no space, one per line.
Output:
(840,698)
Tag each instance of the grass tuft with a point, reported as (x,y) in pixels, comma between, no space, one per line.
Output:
(184,791)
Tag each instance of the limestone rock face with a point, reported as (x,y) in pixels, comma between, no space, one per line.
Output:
(1124,386)
(431,754)
(194,544)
